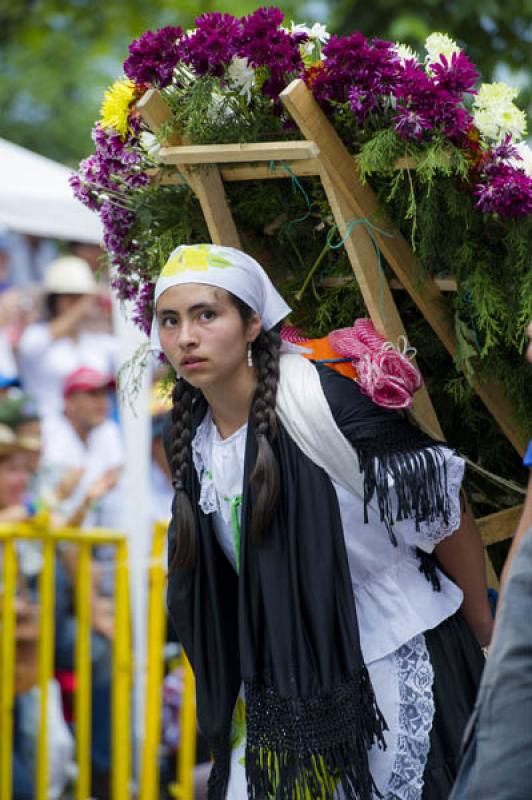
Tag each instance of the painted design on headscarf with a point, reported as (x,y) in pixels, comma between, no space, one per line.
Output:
(195,257)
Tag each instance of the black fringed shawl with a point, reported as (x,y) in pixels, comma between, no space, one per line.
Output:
(286,625)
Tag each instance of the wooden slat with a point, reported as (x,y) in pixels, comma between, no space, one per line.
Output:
(209,189)
(376,292)
(156,113)
(499,526)
(343,173)
(305,168)
(232,153)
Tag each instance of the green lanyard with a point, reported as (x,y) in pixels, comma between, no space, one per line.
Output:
(235,503)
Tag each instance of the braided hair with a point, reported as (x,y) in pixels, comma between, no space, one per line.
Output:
(264,480)
(184,552)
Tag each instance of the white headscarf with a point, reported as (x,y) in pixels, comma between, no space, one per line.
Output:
(226,268)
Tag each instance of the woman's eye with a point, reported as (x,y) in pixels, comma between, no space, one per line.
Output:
(207,316)
(168,322)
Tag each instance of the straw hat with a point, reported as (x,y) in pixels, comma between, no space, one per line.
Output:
(69,275)
(8,441)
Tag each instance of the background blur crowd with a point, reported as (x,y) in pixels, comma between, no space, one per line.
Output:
(62,456)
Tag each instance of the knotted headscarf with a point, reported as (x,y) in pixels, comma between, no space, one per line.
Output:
(225,268)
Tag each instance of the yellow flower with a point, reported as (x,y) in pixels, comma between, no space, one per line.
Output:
(116,106)
(198,258)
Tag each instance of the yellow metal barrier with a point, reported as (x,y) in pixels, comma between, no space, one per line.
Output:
(149,783)
(121,669)
(122,665)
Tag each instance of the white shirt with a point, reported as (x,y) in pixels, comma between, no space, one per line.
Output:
(62,449)
(45,362)
(395,604)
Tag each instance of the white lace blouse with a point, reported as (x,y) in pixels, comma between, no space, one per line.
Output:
(395,604)
(394,600)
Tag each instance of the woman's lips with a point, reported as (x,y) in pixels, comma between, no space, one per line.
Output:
(192,363)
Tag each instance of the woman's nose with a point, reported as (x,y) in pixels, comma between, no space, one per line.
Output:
(187,336)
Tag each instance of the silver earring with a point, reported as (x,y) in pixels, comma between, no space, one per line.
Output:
(250,356)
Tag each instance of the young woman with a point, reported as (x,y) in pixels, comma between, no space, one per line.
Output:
(332,657)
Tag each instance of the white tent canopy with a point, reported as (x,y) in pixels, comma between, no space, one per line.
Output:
(36,198)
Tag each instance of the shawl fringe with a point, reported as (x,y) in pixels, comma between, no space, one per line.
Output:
(419,483)
(298,749)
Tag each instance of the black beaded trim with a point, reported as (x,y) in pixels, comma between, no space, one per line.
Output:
(311,748)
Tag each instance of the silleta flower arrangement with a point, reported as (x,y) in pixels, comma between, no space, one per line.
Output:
(463,196)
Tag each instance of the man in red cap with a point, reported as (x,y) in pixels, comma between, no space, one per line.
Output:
(86,445)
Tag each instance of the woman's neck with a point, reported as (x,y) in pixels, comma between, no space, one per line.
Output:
(230,403)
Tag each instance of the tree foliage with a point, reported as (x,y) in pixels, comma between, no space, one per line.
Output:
(58,56)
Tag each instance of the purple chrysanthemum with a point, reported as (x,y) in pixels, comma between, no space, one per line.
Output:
(419,93)
(265,44)
(212,45)
(457,77)
(153,56)
(505,150)
(358,71)
(411,124)
(507,192)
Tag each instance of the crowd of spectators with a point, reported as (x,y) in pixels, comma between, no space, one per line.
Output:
(62,455)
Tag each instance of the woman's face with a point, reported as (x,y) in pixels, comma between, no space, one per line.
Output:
(14,478)
(203,335)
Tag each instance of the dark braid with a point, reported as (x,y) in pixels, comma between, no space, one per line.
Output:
(264,479)
(184,552)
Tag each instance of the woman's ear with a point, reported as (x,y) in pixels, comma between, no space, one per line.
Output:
(254,327)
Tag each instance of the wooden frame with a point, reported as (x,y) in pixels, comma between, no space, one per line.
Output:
(320,152)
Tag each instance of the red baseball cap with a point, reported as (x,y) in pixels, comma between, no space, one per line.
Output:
(86,379)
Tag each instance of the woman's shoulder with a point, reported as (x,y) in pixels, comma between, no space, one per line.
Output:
(347,402)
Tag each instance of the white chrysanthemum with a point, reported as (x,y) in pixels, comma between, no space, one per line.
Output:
(523,163)
(405,53)
(317,32)
(241,76)
(318,35)
(495,114)
(439,44)
(491,94)
(149,144)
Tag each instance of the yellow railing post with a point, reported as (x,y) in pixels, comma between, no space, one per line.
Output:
(83,671)
(187,742)
(122,674)
(7,661)
(149,776)
(46,659)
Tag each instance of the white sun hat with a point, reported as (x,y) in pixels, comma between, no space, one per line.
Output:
(69,275)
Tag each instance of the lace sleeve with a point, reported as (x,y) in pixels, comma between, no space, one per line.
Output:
(430,533)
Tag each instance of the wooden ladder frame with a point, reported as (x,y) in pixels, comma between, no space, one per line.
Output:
(321,153)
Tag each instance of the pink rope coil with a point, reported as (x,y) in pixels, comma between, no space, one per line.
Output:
(384,371)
